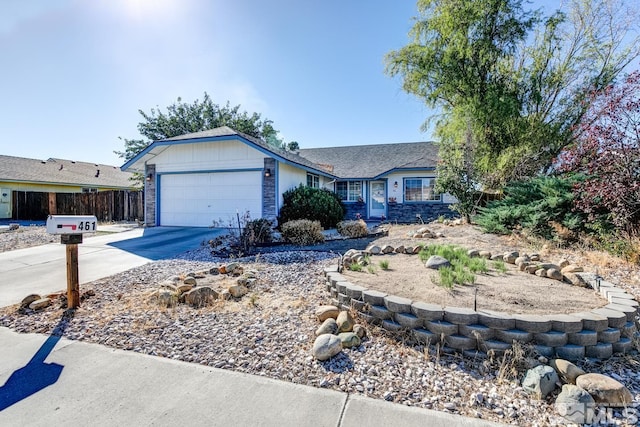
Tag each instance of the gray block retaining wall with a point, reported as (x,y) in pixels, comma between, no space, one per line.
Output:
(598,333)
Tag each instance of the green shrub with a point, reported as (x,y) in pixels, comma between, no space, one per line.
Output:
(384,264)
(302,232)
(500,266)
(357,228)
(355,267)
(535,204)
(313,204)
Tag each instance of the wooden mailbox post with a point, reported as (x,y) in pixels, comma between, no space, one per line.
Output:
(71,228)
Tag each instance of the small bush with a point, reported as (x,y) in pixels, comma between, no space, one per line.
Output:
(257,231)
(357,228)
(371,268)
(355,267)
(478,265)
(500,267)
(311,203)
(384,264)
(302,232)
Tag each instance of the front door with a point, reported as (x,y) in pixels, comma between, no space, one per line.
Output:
(377,198)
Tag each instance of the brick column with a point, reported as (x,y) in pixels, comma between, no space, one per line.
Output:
(150,196)
(269,196)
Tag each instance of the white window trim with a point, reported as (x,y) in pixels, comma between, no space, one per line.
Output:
(404,190)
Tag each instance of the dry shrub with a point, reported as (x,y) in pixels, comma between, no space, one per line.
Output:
(302,232)
(357,228)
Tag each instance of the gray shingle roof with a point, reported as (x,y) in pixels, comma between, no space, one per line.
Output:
(63,172)
(370,161)
(359,161)
(227,131)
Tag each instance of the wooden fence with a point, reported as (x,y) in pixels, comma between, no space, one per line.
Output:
(121,205)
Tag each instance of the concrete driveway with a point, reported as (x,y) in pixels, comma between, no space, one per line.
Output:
(42,269)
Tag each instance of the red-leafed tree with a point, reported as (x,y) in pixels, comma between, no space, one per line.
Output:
(607,152)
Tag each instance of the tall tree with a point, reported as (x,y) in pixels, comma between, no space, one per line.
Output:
(181,118)
(517,79)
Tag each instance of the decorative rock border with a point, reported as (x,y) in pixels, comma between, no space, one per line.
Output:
(598,333)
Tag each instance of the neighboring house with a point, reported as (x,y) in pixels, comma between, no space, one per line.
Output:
(202,178)
(56,176)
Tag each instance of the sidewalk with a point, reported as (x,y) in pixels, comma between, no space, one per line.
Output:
(45,381)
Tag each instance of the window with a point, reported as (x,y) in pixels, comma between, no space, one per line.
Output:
(349,191)
(420,190)
(313,181)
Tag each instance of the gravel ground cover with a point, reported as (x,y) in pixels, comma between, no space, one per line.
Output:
(270,332)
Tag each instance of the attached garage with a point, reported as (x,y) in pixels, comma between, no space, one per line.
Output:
(199,199)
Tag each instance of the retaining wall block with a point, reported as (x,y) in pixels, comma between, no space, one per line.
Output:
(344,299)
(427,311)
(545,350)
(475,331)
(441,327)
(552,338)
(380,312)
(499,347)
(623,346)
(460,315)
(460,342)
(391,325)
(408,320)
(336,277)
(373,297)
(334,293)
(616,318)
(565,323)
(358,305)
(599,351)
(533,323)
(398,304)
(496,319)
(624,301)
(334,301)
(426,337)
(626,309)
(610,335)
(592,321)
(629,329)
(570,352)
(330,269)
(355,291)
(369,318)
(614,292)
(511,335)
(342,287)
(584,338)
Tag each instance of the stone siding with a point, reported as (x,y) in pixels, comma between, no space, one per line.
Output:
(407,212)
(150,197)
(598,333)
(351,210)
(269,198)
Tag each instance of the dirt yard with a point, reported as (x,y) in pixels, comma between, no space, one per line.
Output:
(513,291)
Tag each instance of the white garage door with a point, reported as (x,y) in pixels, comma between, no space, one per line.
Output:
(197,200)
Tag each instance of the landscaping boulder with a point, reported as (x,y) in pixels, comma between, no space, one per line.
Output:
(40,303)
(329,326)
(238,291)
(484,254)
(554,274)
(540,381)
(510,257)
(349,339)
(574,404)
(571,268)
(567,371)
(374,250)
(387,249)
(326,311)
(605,389)
(360,331)
(326,346)
(437,262)
(189,280)
(200,296)
(26,301)
(345,322)
(576,280)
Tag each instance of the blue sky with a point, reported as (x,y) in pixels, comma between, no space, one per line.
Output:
(75,73)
